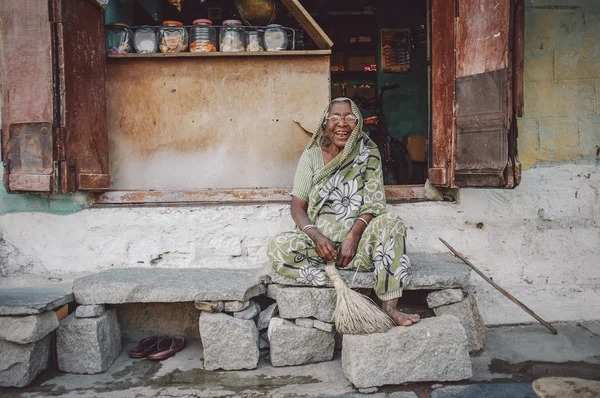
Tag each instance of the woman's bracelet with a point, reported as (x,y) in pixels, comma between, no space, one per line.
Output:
(307,227)
(363,220)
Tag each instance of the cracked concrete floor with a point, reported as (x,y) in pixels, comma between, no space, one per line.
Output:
(513,357)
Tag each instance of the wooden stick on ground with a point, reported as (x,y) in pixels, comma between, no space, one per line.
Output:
(501,290)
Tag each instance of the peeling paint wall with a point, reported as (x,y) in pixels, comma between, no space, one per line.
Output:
(562,81)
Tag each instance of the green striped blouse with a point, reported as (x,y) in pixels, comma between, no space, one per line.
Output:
(310,162)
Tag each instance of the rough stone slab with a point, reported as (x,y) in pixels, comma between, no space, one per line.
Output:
(305,322)
(249,313)
(235,306)
(27,329)
(88,345)
(266,315)
(566,387)
(434,349)
(229,343)
(444,297)
(306,302)
(468,314)
(90,311)
(430,271)
(32,300)
(167,285)
(273,324)
(263,341)
(295,345)
(324,326)
(438,271)
(21,363)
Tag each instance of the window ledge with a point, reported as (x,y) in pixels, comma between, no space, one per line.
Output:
(222,54)
(394,194)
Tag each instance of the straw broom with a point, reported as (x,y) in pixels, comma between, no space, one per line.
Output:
(355,313)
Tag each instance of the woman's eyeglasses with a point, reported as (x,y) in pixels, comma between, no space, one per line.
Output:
(350,118)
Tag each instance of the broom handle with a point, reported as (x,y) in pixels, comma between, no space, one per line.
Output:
(501,290)
(333,274)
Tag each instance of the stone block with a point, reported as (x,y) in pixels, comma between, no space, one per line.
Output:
(444,297)
(263,341)
(21,363)
(264,318)
(548,30)
(235,306)
(559,99)
(27,329)
(566,387)
(468,314)
(249,313)
(90,311)
(306,302)
(578,62)
(324,326)
(273,324)
(528,141)
(88,345)
(295,345)
(273,290)
(589,130)
(32,300)
(304,322)
(539,65)
(434,349)
(438,271)
(558,134)
(228,343)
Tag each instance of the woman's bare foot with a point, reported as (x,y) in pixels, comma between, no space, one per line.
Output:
(400,318)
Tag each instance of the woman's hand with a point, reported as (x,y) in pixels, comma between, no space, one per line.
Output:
(348,249)
(324,246)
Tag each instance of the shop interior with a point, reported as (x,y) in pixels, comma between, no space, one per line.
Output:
(380,59)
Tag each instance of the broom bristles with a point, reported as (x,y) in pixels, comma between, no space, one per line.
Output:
(355,313)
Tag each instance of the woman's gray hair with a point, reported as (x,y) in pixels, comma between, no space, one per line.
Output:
(322,139)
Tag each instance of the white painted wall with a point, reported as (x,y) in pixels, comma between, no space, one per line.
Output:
(540,241)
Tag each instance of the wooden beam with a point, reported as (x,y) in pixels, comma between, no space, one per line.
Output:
(308,24)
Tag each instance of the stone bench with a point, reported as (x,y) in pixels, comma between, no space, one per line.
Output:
(27,320)
(237,318)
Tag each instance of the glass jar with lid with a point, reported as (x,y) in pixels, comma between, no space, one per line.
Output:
(254,40)
(275,38)
(118,38)
(172,37)
(232,36)
(203,36)
(144,40)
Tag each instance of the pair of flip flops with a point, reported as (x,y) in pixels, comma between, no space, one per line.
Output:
(158,347)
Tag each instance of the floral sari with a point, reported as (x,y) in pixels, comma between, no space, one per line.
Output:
(349,185)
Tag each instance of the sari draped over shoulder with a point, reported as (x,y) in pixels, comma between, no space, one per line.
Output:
(349,185)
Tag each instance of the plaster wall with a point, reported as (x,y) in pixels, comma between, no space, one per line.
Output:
(541,241)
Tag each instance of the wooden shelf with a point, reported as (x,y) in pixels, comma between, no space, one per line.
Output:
(363,75)
(222,54)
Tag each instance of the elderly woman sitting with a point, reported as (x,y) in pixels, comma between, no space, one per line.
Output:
(338,205)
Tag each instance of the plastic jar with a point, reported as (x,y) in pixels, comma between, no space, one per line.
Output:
(254,40)
(118,39)
(144,40)
(203,37)
(275,38)
(232,36)
(172,37)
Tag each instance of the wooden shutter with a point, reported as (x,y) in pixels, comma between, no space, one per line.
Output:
(28,136)
(81,70)
(477,148)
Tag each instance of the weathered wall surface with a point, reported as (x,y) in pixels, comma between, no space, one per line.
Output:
(540,241)
(562,81)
